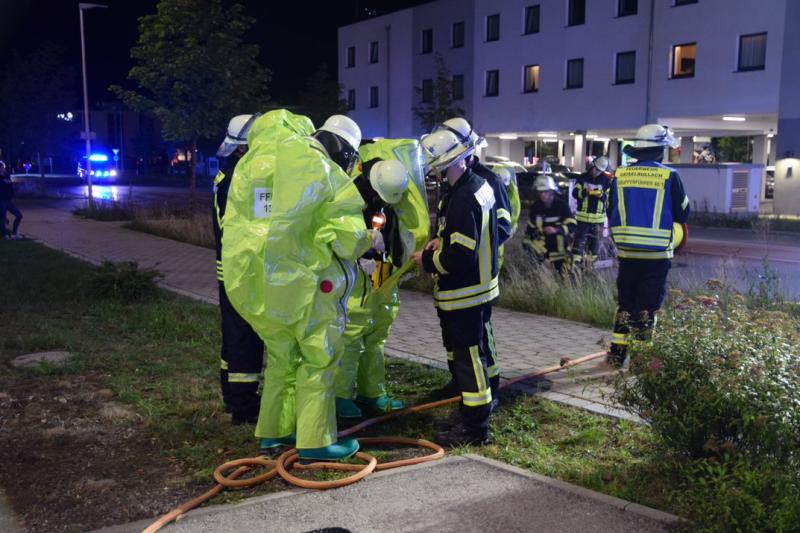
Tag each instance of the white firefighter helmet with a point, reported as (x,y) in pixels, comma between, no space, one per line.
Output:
(442,149)
(389,179)
(505,174)
(344,127)
(238,128)
(652,135)
(463,130)
(545,182)
(600,163)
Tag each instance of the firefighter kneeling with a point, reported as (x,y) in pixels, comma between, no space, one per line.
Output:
(550,226)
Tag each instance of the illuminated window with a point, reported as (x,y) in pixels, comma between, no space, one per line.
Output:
(531,81)
(683,59)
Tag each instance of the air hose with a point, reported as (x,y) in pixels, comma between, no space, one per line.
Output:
(287,461)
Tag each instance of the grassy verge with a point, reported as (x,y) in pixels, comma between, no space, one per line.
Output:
(159,356)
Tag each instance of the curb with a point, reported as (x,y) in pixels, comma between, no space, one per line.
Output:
(623,505)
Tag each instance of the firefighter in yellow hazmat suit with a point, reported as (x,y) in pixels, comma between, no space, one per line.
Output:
(294,230)
(403,217)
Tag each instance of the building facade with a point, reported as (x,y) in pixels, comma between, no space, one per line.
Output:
(575,73)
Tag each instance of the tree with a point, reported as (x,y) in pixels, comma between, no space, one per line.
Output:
(321,97)
(194,71)
(440,106)
(34,90)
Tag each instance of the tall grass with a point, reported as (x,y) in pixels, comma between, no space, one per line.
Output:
(192,228)
(533,288)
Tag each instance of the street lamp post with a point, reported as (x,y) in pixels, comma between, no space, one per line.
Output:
(86,128)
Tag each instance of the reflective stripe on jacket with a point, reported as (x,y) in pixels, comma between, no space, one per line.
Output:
(644,201)
(466,261)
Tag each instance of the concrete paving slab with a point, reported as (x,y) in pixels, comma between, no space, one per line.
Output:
(456,494)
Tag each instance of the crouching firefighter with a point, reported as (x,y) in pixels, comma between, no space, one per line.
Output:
(463,258)
(242,353)
(360,379)
(645,201)
(591,193)
(550,226)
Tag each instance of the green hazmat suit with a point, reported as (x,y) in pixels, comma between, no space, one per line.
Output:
(370,313)
(514,201)
(294,228)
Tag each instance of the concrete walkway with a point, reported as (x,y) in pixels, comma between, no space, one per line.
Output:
(456,494)
(525,342)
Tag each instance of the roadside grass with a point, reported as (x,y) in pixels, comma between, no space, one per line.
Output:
(160,357)
(762,223)
(532,288)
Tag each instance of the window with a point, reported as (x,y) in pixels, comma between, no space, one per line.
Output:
(493,28)
(627,7)
(575,73)
(458,87)
(626,68)
(492,83)
(373,96)
(373,52)
(576,14)
(752,51)
(532,19)
(684,2)
(531,79)
(351,99)
(683,57)
(351,56)
(427,41)
(427,90)
(457,35)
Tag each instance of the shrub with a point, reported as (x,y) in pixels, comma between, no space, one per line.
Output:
(719,377)
(124,281)
(736,495)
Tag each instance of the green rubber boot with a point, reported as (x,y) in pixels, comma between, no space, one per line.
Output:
(268,446)
(347,408)
(338,451)
(383,403)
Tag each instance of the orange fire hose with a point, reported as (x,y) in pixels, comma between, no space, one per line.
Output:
(288,459)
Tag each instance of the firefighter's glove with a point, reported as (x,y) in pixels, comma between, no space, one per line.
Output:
(367,266)
(377,241)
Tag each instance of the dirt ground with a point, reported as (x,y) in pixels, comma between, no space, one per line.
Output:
(73,459)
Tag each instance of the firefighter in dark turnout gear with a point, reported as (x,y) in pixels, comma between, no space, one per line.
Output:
(550,226)
(645,201)
(242,352)
(471,140)
(463,258)
(591,192)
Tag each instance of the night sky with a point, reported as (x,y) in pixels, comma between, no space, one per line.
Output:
(294,36)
